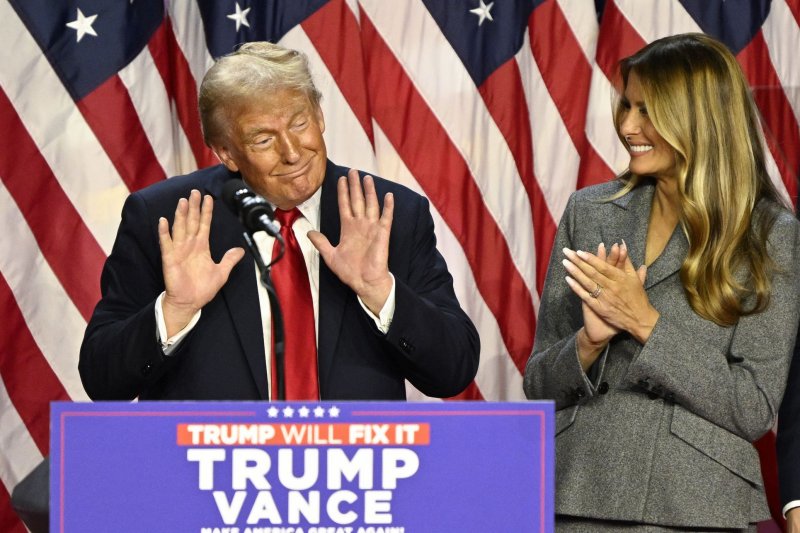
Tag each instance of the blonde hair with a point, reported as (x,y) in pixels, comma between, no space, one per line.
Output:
(698,100)
(254,68)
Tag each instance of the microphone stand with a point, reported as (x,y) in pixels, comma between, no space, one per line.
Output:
(275,306)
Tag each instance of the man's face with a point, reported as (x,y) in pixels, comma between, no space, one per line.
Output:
(275,141)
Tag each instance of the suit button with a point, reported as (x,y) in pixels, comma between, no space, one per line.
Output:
(406,346)
(603,388)
(644,383)
(146,369)
(580,393)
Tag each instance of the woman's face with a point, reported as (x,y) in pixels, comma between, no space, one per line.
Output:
(650,153)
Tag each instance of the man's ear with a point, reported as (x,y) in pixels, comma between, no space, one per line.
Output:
(224,155)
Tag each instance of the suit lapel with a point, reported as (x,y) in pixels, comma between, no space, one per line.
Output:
(240,292)
(333,294)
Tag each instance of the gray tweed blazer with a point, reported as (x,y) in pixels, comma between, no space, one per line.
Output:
(661,433)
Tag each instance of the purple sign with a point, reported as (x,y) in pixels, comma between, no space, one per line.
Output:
(346,467)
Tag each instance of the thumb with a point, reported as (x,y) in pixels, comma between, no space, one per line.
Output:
(322,244)
(229,260)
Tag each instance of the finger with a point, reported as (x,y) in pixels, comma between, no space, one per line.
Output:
(627,265)
(589,264)
(164,240)
(206,212)
(613,255)
(641,272)
(373,209)
(623,256)
(580,276)
(388,211)
(580,291)
(342,192)
(323,246)
(601,251)
(229,260)
(193,217)
(179,223)
(357,203)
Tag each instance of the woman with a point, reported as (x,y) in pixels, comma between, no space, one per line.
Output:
(663,375)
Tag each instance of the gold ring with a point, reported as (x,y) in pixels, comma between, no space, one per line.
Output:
(597,290)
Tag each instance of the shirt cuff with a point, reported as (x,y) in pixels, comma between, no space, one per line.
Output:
(171,344)
(384,318)
(789,506)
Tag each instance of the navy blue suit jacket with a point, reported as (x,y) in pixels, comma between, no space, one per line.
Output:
(431,341)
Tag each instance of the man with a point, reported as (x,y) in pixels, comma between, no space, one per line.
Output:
(183,315)
(788,444)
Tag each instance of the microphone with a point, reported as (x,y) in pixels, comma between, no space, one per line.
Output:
(253,210)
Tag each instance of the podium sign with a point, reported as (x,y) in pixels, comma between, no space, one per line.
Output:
(343,467)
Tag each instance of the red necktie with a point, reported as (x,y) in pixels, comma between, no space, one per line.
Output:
(294,293)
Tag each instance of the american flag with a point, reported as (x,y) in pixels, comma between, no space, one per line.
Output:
(496,111)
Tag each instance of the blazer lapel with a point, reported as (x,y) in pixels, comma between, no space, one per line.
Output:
(333,294)
(240,292)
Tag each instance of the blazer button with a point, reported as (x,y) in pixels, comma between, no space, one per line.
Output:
(670,397)
(580,393)
(603,388)
(644,383)
(147,369)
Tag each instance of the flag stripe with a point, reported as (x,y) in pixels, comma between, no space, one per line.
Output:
(72,251)
(9,521)
(341,52)
(112,116)
(181,90)
(782,135)
(505,99)
(450,187)
(22,363)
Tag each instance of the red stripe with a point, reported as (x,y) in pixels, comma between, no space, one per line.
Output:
(781,130)
(9,521)
(617,39)
(566,72)
(769,472)
(66,243)
(794,7)
(340,50)
(505,99)
(110,113)
(593,169)
(441,171)
(470,393)
(181,88)
(30,382)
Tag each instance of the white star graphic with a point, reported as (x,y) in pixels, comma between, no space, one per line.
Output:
(288,412)
(483,11)
(333,412)
(272,412)
(303,412)
(83,25)
(319,411)
(240,17)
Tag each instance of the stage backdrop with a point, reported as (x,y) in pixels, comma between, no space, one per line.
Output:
(496,111)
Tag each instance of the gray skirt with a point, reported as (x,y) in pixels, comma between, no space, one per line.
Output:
(574,524)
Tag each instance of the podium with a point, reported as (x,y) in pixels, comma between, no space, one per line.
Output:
(329,467)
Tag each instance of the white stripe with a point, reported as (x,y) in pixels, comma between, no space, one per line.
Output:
(582,19)
(345,138)
(442,80)
(19,455)
(81,165)
(54,322)
(187,25)
(600,130)
(151,101)
(555,158)
(783,40)
(653,20)
(498,377)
